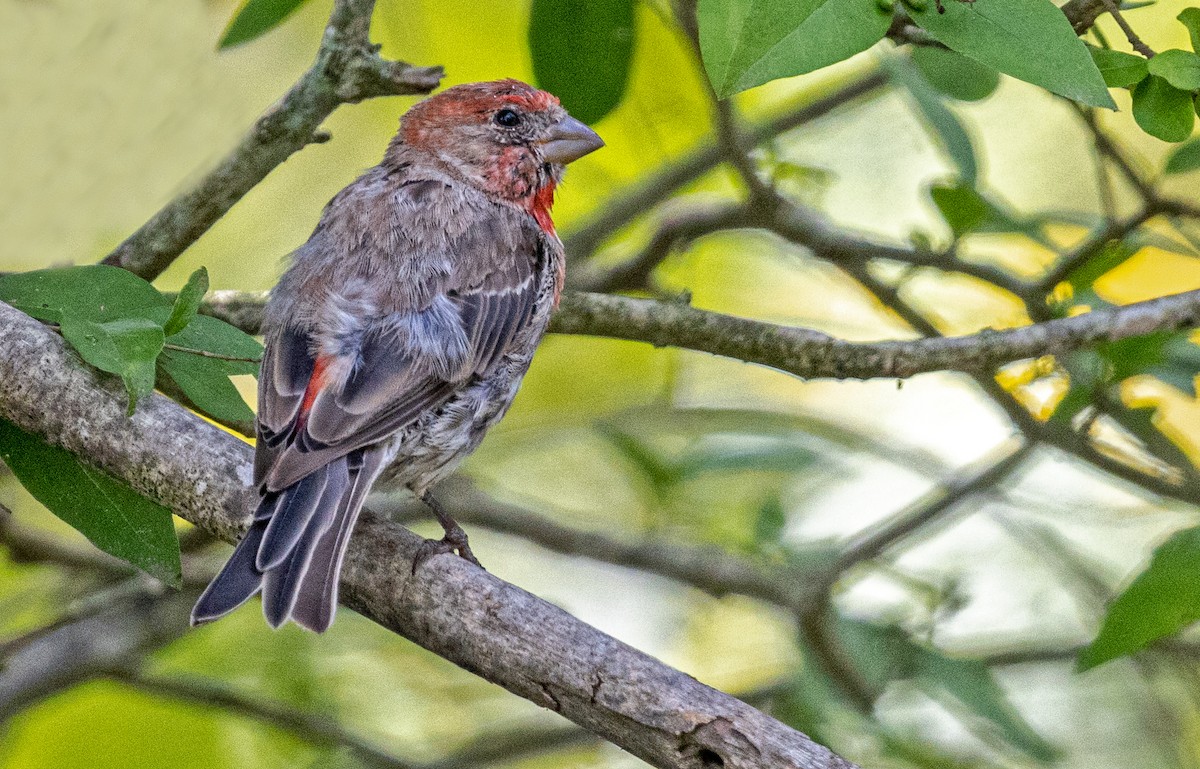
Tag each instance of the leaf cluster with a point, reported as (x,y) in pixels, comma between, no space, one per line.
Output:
(122,325)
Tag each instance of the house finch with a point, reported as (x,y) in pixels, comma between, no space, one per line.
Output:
(400,334)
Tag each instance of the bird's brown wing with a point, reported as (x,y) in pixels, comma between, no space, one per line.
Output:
(404,364)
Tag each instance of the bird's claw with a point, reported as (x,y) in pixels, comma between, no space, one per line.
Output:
(455,542)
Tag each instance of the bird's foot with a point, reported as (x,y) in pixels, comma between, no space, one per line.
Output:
(455,541)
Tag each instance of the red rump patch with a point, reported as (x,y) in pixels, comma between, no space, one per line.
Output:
(315,384)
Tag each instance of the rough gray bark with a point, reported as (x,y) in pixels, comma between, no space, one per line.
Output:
(455,610)
(812,354)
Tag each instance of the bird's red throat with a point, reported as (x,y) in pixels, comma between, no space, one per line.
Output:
(540,204)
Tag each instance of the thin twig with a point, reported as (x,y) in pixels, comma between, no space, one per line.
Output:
(25,546)
(990,471)
(1108,147)
(1114,10)
(1052,433)
(84,648)
(347,69)
(816,617)
(704,567)
(1084,252)
(673,233)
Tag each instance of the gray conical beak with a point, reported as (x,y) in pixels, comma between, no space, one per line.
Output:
(570,140)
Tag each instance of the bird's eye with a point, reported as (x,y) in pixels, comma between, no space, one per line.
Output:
(507,118)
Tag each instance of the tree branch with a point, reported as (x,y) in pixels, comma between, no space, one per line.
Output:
(80,650)
(932,507)
(1082,253)
(1057,434)
(1114,10)
(674,232)
(812,354)
(348,69)
(704,567)
(454,609)
(28,547)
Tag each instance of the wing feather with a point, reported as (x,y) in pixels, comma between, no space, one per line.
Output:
(402,360)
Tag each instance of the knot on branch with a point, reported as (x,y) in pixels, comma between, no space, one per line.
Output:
(716,744)
(363,74)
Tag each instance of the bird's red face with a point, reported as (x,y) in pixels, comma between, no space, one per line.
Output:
(509,138)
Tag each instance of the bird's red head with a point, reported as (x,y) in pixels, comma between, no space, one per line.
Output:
(508,138)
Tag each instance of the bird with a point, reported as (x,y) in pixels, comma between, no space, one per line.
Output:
(400,334)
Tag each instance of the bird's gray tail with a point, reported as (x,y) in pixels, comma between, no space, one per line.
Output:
(293,551)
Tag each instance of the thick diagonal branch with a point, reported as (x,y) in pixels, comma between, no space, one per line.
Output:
(347,69)
(462,613)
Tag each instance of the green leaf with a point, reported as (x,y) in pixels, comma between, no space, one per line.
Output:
(1180,364)
(1028,39)
(967,210)
(972,684)
(1169,355)
(1162,110)
(881,653)
(187,302)
(1161,601)
(115,518)
(1179,68)
(771,521)
(951,135)
(95,292)
(205,380)
(1119,69)
(661,472)
(1186,157)
(954,74)
(772,456)
(206,383)
(1161,240)
(746,43)
(1087,371)
(808,702)
(216,336)
(885,653)
(255,18)
(87,301)
(1112,255)
(127,347)
(1190,18)
(581,52)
